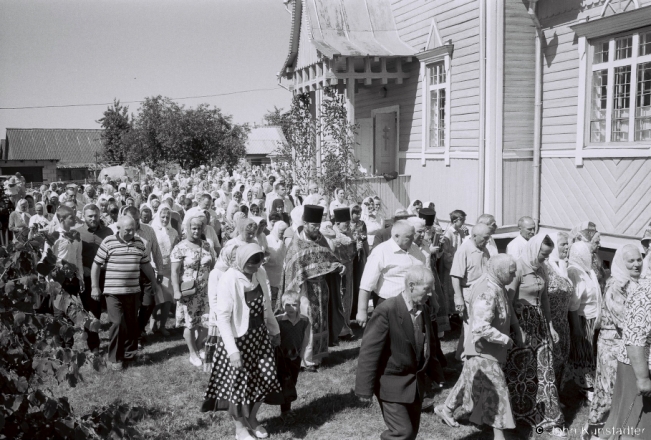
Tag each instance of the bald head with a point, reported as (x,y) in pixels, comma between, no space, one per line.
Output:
(127,227)
(527,227)
(480,235)
(488,220)
(403,234)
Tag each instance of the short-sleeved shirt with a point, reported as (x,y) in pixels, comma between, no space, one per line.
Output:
(637,322)
(515,248)
(469,263)
(387,266)
(122,261)
(91,241)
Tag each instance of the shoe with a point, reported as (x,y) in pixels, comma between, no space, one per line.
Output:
(202,354)
(428,403)
(259,431)
(448,419)
(310,369)
(195,361)
(557,431)
(350,337)
(164,332)
(115,366)
(245,435)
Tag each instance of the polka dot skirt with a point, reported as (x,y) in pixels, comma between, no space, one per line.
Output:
(236,391)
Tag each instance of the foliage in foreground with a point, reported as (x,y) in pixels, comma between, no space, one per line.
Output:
(32,356)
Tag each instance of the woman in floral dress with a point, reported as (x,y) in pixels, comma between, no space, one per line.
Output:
(625,277)
(192,259)
(244,367)
(559,292)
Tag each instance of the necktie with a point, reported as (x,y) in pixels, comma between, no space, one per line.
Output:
(418,331)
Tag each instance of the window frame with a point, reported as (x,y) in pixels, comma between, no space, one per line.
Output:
(634,61)
(441,54)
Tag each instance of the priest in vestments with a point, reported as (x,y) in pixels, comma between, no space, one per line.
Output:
(312,269)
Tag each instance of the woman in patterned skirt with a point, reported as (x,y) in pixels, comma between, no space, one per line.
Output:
(192,259)
(530,368)
(560,291)
(587,302)
(244,367)
(625,277)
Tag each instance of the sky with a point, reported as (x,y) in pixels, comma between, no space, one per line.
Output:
(59,52)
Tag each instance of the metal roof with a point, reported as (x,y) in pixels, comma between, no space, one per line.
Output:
(264,140)
(347,28)
(68,146)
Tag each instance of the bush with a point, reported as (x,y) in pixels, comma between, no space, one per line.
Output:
(32,357)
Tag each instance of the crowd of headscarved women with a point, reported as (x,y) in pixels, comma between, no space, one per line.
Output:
(547,315)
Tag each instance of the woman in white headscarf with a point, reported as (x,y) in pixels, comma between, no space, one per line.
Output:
(19,221)
(530,366)
(167,238)
(624,279)
(276,259)
(41,219)
(560,292)
(587,302)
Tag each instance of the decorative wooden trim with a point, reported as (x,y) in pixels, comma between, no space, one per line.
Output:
(436,54)
(438,155)
(615,23)
(517,154)
(581,116)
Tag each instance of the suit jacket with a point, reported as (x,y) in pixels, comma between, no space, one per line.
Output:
(388,364)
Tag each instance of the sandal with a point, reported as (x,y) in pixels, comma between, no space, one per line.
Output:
(448,420)
(259,431)
(195,361)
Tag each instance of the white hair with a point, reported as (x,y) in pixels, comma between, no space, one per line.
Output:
(419,275)
(400,227)
(416,222)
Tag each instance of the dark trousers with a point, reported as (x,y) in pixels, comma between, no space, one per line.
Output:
(94,307)
(293,367)
(123,336)
(402,420)
(147,302)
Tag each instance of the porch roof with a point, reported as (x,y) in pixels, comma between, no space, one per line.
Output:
(348,28)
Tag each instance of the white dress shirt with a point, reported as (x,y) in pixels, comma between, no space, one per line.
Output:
(515,248)
(387,266)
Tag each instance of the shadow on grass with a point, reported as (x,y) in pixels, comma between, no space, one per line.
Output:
(315,414)
(164,355)
(341,356)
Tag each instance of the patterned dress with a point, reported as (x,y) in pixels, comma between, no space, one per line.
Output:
(558,292)
(530,369)
(609,344)
(236,391)
(196,264)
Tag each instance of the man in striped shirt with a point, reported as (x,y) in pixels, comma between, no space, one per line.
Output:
(123,256)
(147,299)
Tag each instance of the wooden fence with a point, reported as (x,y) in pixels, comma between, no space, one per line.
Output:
(393,193)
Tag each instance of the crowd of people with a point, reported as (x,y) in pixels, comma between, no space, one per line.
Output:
(265,276)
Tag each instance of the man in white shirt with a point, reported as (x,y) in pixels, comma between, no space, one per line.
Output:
(384,273)
(527,230)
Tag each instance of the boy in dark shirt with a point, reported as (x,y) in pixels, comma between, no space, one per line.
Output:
(294,336)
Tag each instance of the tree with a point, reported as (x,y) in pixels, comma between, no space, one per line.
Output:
(164,132)
(116,127)
(278,118)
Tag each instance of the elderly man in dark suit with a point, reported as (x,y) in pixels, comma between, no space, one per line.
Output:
(397,361)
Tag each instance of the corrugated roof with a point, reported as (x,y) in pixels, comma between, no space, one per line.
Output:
(347,28)
(74,146)
(264,140)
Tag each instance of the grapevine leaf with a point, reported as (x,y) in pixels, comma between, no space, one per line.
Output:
(61,373)
(50,408)
(19,318)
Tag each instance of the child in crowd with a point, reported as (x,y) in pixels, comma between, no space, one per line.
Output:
(294,336)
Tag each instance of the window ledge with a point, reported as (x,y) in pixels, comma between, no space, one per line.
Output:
(623,146)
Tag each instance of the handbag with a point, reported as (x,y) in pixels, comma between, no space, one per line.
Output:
(189,288)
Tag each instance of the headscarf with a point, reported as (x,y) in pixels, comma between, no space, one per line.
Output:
(24,215)
(156,222)
(244,253)
(619,272)
(297,217)
(498,269)
(242,224)
(584,231)
(580,256)
(531,251)
(274,231)
(559,266)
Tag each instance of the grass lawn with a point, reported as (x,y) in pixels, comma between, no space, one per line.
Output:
(171,390)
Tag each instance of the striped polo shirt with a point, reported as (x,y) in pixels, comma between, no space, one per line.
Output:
(122,261)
